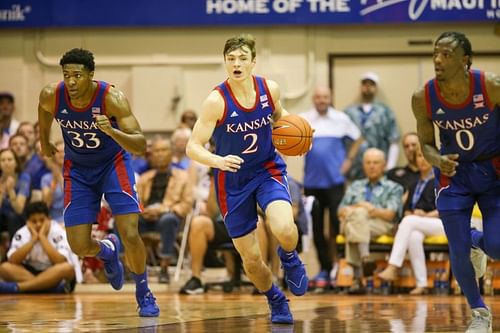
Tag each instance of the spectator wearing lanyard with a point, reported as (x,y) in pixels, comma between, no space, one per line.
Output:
(420,220)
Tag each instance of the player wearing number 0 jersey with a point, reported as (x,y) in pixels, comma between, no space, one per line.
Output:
(98,127)
(464,105)
(248,172)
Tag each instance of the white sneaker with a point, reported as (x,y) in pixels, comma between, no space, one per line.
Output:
(481,321)
(479,261)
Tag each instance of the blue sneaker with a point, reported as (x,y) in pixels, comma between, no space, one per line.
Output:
(147,306)
(280,312)
(322,279)
(295,273)
(9,288)
(113,269)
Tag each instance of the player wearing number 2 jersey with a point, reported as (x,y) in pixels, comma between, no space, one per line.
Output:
(98,127)
(248,172)
(464,105)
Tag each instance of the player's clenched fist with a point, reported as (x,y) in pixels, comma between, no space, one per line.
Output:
(103,124)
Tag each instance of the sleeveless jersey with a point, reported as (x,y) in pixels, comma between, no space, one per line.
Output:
(84,143)
(246,132)
(470,129)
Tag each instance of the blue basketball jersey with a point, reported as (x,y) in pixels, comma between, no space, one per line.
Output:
(246,132)
(84,143)
(470,129)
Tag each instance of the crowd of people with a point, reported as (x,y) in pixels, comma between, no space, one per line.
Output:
(350,171)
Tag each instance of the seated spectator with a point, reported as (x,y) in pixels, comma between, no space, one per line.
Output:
(408,175)
(36,168)
(368,210)
(40,258)
(420,220)
(52,184)
(180,139)
(27,129)
(188,119)
(167,195)
(8,124)
(14,192)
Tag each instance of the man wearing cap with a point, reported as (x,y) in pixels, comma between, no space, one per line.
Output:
(377,124)
(8,125)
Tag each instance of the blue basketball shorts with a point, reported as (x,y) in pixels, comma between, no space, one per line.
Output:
(84,188)
(239,193)
(473,182)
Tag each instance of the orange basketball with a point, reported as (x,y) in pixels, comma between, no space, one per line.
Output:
(292,135)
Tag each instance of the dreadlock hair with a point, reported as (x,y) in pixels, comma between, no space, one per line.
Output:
(462,41)
(79,56)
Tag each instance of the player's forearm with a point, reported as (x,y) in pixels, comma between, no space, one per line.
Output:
(200,154)
(132,142)
(18,257)
(52,253)
(431,154)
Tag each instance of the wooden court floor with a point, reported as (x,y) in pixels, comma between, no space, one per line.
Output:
(236,312)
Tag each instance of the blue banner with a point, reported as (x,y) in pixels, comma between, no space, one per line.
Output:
(133,13)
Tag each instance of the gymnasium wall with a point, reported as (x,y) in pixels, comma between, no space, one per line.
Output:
(165,71)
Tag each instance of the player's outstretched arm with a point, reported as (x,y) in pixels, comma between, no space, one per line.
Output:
(212,110)
(129,134)
(279,111)
(425,131)
(46,109)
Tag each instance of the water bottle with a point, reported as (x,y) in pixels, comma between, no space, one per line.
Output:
(437,281)
(385,287)
(445,283)
(369,285)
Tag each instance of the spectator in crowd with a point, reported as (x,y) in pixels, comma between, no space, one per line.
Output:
(408,175)
(19,145)
(27,129)
(377,124)
(421,219)
(8,124)
(167,195)
(179,139)
(14,192)
(368,209)
(40,258)
(188,119)
(36,168)
(325,166)
(141,164)
(52,184)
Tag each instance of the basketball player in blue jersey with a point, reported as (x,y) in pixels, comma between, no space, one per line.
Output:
(98,129)
(464,106)
(238,114)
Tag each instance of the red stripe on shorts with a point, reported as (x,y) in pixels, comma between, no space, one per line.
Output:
(273,171)
(222,195)
(121,172)
(67,182)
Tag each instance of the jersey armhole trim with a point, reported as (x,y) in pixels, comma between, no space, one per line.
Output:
(224,115)
(485,91)
(268,92)
(104,94)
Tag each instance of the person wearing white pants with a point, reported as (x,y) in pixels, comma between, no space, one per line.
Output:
(421,220)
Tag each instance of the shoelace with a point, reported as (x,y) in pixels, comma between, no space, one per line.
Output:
(147,299)
(477,321)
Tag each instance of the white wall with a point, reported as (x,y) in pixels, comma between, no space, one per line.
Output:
(296,57)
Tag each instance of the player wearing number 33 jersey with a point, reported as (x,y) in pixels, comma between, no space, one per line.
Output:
(94,163)
(471,130)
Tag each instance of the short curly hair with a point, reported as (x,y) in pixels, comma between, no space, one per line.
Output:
(79,56)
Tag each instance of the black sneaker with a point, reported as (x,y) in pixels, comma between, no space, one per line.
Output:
(192,287)
(164,277)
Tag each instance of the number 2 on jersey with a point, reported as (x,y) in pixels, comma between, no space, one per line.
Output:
(252,148)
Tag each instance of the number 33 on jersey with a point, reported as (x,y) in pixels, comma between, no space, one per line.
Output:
(85,143)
